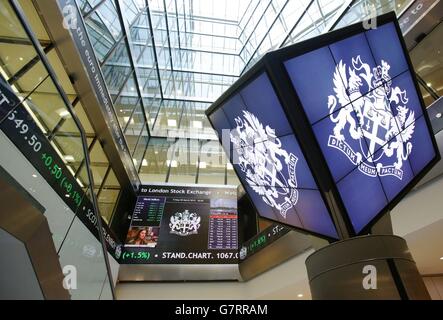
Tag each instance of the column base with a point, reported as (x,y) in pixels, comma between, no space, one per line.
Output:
(373,267)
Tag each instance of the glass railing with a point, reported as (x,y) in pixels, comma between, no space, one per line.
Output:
(39,107)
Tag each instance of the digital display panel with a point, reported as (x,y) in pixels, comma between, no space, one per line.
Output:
(19,126)
(361,100)
(334,126)
(262,240)
(268,160)
(183,224)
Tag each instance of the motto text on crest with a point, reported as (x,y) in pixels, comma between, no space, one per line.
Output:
(374,118)
(260,156)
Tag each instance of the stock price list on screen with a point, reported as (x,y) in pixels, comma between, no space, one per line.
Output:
(148,211)
(223,230)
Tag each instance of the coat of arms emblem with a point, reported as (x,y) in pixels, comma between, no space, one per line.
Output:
(184,223)
(260,156)
(243,253)
(118,251)
(387,135)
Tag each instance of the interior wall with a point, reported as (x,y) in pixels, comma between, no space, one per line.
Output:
(17,277)
(411,215)
(435,286)
(284,282)
(75,244)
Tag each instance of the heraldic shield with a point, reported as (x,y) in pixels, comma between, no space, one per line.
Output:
(329,134)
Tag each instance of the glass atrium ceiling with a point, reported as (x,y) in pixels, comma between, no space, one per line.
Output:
(186,53)
(166,61)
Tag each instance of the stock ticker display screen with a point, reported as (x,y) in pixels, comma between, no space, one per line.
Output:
(183,224)
(364,108)
(268,160)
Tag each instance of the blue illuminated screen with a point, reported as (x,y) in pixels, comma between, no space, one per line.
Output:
(365,111)
(267,158)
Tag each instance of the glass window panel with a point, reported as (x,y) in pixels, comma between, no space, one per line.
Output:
(9,24)
(124,107)
(36,76)
(427,58)
(140,149)
(101,41)
(98,172)
(212,165)
(184,161)
(13,57)
(129,89)
(47,105)
(157,155)
(130,11)
(99,163)
(34,20)
(116,69)
(108,196)
(115,77)
(232,178)
(60,73)
(108,18)
(363,9)
(70,150)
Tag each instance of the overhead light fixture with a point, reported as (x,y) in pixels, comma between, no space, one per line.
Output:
(197,124)
(441,258)
(172,123)
(126,119)
(132,88)
(144,163)
(438,115)
(20,58)
(34,175)
(80,183)
(300,295)
(172,163)
(202,165)
(429,84)
(63,113)
(69,158)
(156,152)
